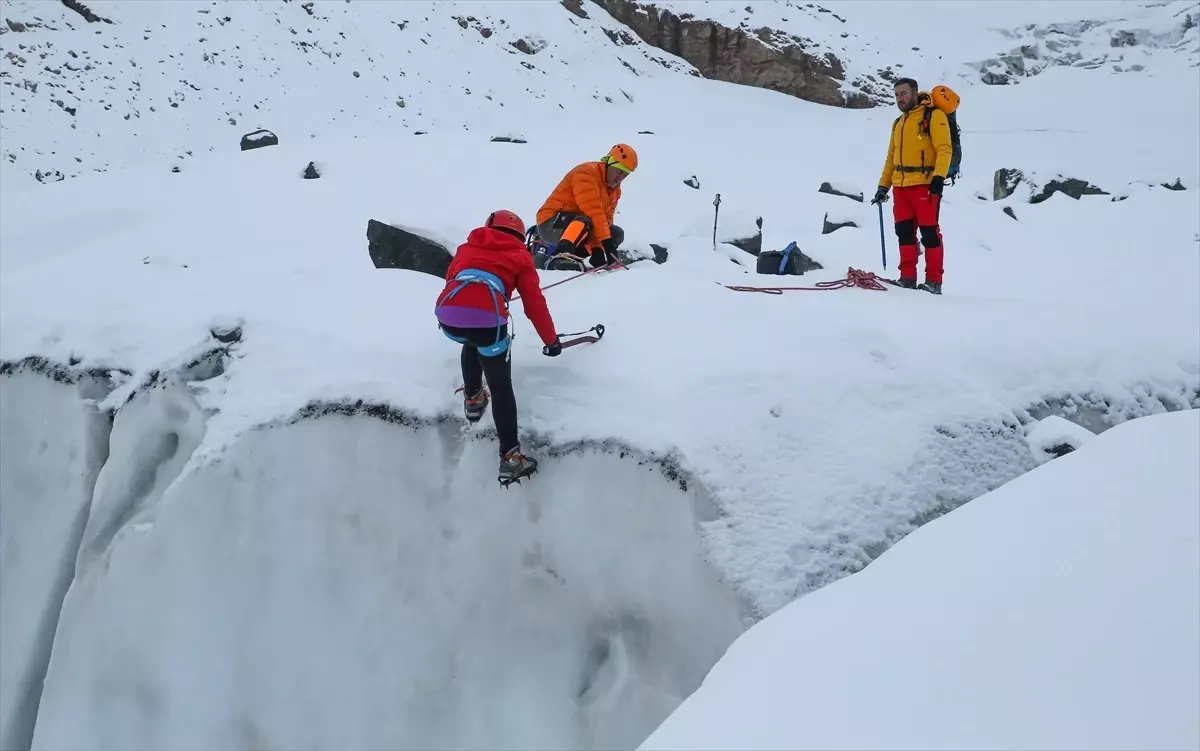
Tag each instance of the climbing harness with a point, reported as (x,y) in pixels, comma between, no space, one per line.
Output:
(854,278)
(496,288)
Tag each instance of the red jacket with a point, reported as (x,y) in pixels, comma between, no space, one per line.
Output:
(507,257)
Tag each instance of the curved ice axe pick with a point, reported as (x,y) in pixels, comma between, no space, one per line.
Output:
(581,337)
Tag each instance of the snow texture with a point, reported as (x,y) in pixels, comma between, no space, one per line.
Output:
(1054,436)
(951,641)
(225,538)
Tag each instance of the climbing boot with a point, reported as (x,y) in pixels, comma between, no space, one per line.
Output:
(907,283)
(932,287)
(475,406)
(514,465)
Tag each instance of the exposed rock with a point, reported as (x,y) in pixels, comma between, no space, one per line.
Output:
(751,244)
(259,139)
(1177,185)
(828,227)
(1070,186)
(83,10)
(660,253)
(762,57)
(226,330)
(310,172)
(576,7)
(692,182)
(1005,183)
(529,46)
(394,248)
(508,139)
(52,176)
(828,189)
(645,132)
(1009,210)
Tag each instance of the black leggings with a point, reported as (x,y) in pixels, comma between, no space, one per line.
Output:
(499,379)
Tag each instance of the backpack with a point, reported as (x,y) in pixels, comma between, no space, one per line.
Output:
(947,101)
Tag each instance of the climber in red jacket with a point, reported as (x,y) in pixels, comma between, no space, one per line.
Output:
(473,309)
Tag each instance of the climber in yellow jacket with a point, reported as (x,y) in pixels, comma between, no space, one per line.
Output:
(918,160)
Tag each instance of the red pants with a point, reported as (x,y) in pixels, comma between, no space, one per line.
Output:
(914,208)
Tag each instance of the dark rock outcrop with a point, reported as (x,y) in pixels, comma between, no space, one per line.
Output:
(1009,210)
(393,248)
(765,58)
(751,244)
(1005,183)
(259,139)
(692,182)
(1073,187)
(828,227)
(832,191)
(84,11)
(508,139)
(310,172)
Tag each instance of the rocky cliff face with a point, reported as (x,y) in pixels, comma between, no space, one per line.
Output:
(762,57)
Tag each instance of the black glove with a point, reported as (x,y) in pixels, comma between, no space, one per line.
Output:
(881,195)
(599,258)
(935,186)
(553,350)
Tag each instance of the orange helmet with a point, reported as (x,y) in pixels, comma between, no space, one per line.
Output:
(622,156)
(506,221)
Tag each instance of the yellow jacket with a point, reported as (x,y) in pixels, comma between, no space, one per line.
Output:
(915,156)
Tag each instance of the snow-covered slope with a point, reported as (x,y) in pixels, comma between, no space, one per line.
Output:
(1060,611)
(169,82)
(717,455)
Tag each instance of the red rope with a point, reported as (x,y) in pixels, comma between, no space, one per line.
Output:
(854,278)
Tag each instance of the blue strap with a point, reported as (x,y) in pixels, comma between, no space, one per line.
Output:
(496,289)
(787,253)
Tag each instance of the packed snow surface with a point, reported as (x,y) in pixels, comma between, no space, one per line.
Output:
(1057,612)
(784,441)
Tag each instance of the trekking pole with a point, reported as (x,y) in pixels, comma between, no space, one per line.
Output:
(716,211)
(882,247)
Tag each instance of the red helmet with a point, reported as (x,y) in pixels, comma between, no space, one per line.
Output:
(506,221)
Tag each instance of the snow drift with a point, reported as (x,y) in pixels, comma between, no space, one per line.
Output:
(1059,611)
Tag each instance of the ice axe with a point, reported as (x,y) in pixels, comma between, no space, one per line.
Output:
(581,337)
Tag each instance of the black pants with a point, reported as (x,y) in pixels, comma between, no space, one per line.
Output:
(499,378)
(551,232)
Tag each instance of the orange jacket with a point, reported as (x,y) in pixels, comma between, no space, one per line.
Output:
(914,156)
(583,191)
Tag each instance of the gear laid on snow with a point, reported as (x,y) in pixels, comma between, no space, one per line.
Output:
(854,278)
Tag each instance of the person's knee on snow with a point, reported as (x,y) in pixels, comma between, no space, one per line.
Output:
(591,190)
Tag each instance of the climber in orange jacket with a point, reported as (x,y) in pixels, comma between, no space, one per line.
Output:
(576,221)
(918,160)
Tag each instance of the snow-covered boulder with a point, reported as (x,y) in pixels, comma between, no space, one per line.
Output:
(258,139)
(395,248)
(1056,436)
